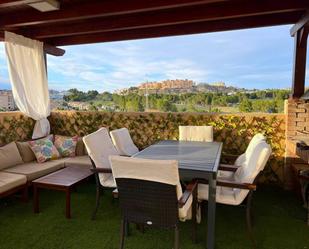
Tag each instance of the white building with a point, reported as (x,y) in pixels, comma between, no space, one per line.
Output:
(7,101)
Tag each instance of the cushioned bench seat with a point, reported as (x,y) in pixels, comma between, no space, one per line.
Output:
(34,170)
(10,181)
(82,161)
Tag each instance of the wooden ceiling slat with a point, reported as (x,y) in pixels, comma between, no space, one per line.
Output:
(90,9)
(183,29)
(166,17)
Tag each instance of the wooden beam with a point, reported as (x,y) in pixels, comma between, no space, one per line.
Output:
(53,50)
(99,8)
(49,49)
(183,29)
(164,17)
(299,65)
(10,3)
(304,21)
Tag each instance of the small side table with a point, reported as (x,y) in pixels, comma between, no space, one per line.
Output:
(62,180)
(304,181)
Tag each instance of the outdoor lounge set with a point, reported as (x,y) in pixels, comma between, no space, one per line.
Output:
(157,187)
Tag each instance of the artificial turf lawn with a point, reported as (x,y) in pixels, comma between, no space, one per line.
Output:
(279,224)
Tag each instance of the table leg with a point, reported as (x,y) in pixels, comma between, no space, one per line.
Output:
(211,213)
(36,208)
(68,203)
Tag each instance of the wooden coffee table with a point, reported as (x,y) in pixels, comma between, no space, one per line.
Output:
(62,180)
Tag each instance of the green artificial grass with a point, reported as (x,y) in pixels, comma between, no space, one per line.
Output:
(279,224)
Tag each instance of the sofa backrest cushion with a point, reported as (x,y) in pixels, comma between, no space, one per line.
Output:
(9,156)
(25,151)
(80,147)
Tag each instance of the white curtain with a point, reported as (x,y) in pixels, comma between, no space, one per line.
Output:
(26,63)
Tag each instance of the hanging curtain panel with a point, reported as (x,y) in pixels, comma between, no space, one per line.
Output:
(26,63)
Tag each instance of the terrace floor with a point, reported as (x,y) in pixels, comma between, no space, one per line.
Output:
(279,224)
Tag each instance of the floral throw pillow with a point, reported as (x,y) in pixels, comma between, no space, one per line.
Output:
(44,149)
(66,146)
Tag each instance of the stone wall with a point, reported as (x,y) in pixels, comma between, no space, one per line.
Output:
(146,128)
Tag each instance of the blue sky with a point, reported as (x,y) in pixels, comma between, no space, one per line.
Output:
(256,58)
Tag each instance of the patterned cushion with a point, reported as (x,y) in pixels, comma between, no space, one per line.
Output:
(66,145)
(44,150)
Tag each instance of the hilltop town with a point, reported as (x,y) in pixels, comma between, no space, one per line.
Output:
(178,86)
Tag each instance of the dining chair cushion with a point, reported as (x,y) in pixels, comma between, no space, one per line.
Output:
(227,175)
(162,171)
(253,165)
(123,142)
(100,146)
(224,195)
(256,138)
(196,133)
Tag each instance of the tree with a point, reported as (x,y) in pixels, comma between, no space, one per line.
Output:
(245,106)
(166,106)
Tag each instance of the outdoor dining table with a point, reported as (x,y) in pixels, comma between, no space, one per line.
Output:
(195,160)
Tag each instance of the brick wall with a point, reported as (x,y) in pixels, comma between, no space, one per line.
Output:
(297,118)
(297,129)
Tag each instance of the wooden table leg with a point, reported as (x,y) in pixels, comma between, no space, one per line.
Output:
(36,208)
(68,203)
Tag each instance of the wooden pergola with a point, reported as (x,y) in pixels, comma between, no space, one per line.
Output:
(93,21)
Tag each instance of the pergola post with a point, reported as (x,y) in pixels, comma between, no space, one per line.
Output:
(299,65)
(300,32)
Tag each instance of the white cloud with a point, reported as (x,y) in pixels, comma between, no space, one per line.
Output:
(260,58)
(109,67)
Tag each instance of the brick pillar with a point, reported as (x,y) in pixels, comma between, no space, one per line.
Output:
(297,126)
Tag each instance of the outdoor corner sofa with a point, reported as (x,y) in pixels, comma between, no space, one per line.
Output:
(18,166)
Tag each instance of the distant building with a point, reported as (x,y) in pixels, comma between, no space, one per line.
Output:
(79,105)
(7,101)
(218,84)
(168,84)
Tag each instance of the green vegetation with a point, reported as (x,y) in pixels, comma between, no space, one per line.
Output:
(270,101)
(278,224)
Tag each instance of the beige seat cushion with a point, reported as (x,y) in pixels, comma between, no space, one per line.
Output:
(25,151)
(9,156)
(35,170)
(9,181)
(83,161)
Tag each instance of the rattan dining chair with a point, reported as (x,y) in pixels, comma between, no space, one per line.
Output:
(100,146)
(150,195)
(238,188)
(196,133)
(123,142)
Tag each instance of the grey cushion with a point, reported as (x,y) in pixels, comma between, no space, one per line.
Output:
(9,156)
(25,151)
(80,148)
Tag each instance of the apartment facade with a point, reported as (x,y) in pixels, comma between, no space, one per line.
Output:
(7,101)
